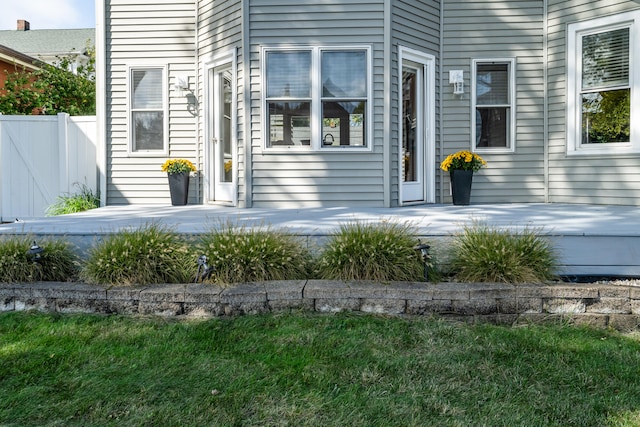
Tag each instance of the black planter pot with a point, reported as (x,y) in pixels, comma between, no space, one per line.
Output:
(461,186)
(179,188)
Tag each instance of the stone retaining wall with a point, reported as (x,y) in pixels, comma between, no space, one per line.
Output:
(599,305)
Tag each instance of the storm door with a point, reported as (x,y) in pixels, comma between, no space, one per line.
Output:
(416,129)
(222,161)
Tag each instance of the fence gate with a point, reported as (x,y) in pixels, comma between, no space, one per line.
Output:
(42,157)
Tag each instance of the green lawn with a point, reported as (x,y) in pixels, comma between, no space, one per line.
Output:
(309,369)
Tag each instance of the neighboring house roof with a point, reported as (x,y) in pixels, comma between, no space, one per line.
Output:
(48,44)
(11,56)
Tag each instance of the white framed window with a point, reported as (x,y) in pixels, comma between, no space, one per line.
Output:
(493,105)
(317,98)
(603,67)
(148,110)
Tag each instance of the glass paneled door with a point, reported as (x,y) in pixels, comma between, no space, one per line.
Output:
(412,133)
(222,155)
(416,125)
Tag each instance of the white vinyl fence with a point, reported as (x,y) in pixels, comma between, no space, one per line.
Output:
(43,157)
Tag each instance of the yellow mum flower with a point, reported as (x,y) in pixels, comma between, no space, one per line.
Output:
(173,166)
(463,160)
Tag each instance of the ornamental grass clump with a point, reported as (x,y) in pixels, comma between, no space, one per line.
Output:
(378,251)
(57,261)
(253,254)
(482,253)
(81,201)
(150,254)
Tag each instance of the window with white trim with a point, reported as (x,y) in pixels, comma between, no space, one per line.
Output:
(602,74)
(316,98)
(147,109)
(493,118)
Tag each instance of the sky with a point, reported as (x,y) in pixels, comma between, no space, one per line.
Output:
(48,14)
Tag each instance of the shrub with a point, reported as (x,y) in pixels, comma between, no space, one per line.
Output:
(240,254)
(147,255)
(82,201)
(381,251)
(481,253)
(57,262)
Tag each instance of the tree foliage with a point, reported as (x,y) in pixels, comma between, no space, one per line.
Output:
(52,89)
(606,116)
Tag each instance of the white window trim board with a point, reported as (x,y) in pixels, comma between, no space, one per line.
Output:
(165,103)
(316,101)
(575,31)
(512,105)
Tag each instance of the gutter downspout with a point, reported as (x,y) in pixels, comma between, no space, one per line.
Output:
(440,154)
(545,94)
(196,59)
(101,100)
(386,139)
(246,107)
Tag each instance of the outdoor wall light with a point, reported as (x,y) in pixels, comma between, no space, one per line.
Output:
(181,84)
(426,257)
(456,78)
(204,271)
(35,252)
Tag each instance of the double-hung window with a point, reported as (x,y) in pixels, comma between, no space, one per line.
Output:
(493,112)
(147,109)
(288,89)
(603,69)
(316,98)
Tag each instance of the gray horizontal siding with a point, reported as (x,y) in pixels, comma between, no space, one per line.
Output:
(147,32)
(316,178)
(598,179)
(219,25)
(163,32)
(496,29)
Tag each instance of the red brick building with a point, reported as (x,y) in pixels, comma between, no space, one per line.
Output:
(12,61)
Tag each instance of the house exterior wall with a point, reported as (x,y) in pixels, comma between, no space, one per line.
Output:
(7,68)
(598,179)
(488,30)
(147,33)
(185,35)
(317,178)
(415,24)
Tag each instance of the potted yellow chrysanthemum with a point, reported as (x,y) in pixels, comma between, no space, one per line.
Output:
(178,171)
(461,166)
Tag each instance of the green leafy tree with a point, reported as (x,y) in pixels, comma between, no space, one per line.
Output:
(52,89)
(606,117)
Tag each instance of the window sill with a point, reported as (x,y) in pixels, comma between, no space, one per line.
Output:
(605,153)
(154,153)
(306,149)
(494,150)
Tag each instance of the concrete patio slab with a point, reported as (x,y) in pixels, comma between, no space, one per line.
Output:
(590,239)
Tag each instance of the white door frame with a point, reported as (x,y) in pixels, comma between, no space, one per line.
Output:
(225,59)
(426,113)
